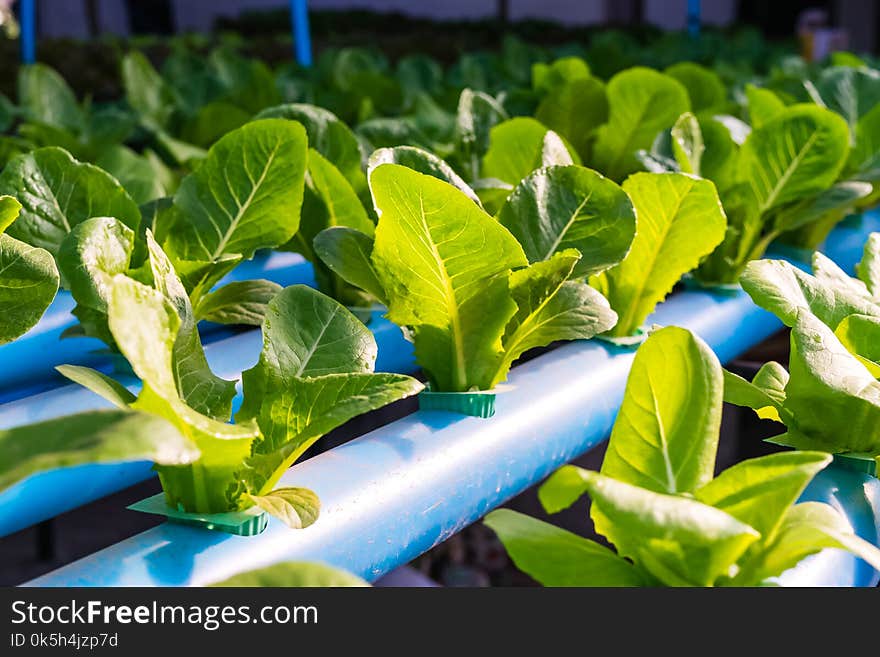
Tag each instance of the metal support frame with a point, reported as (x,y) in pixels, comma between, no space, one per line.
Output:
(27,18)
(302,38)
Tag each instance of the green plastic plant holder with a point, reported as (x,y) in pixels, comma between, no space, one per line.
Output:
(864,463)
(241,523)
(475,404)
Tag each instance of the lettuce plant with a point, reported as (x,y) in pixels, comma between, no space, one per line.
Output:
(293,573)
(679,221)
(669,520)
(315,372)
(641,103)
(28,278)
(246,196)
(461,284)
(784,176)
(830,400)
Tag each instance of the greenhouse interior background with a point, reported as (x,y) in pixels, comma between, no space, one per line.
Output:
(480,293)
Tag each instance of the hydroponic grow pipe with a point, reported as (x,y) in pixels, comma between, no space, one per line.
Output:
(28,363)
(50,493)
(396,492)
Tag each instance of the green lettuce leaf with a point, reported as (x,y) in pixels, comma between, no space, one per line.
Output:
(679,221)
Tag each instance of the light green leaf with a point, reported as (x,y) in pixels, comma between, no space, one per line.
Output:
(135,172)
(799,152)
(575,111)
(868,269)
(99,383)
(314,373)
(90,437)
(833,398)
(46,98)
(145,326)
(828,207)
(687,143)
(547,77)
(765,394)
(555,557)
(551,308)
(786,291)
(245,195)
(760,491)
(477,114)
(146,92)
(295,507)
(852,92)
(679,221)
(764,105)
(28,283)
(861,336)
(91,255)
(347,253)
(327,135)
(196,384)
(238,302)
(563,207)
(422,161)
(328,201)
(705,88)
(642,102)
(454,296)
(808,528)
(666,434)
(57,193)
(9,211)
(680,541)
(516,148)
(293,574)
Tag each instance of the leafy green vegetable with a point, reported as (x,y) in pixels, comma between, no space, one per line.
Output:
(329,200)
(641,102)
(831,400)
(477,114)
(471,312)
(705,88)
(786,172)
(238,302)
(656,501)
(90,437)
(244,195)
(519,146)
(315,373)
(57,193)
(47,99)
(28,278)
(679,221)
(293,574)
(575,111)
(561,207)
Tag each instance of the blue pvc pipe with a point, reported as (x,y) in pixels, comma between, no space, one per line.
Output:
(27,364)
(398,491)
(302,38)
(50,493)
(27,18)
